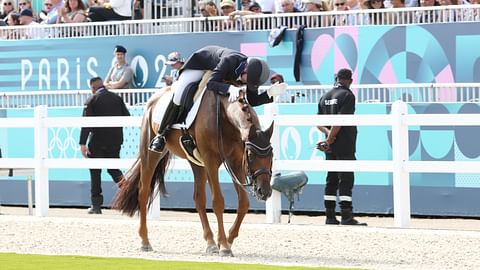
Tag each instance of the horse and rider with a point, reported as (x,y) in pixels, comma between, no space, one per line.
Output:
(226,131)
(227,65)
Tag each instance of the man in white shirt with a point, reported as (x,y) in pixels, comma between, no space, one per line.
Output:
(52,14)
(114,10)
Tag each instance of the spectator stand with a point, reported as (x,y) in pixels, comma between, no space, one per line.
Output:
(189,24)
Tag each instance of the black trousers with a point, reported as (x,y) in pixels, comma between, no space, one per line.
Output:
(339,181)
(101,14)
(95,174)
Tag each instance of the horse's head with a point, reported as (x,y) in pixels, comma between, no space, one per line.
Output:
(258,159)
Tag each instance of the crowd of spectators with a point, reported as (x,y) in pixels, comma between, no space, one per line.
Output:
(77,11)
(234,11)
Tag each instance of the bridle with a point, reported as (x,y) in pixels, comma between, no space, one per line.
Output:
(257,151)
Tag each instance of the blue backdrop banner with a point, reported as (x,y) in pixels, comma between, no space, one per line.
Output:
(376,54)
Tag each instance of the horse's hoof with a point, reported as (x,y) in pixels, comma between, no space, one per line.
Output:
(212,250)
(226,253)
(147,248)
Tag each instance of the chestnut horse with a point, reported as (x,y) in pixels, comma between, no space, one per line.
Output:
(224,132)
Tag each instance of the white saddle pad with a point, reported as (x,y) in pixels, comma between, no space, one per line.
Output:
(159,110)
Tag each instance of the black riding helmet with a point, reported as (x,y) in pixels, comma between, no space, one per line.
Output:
(258,73)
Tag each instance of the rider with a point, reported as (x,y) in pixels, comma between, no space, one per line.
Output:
(226,65)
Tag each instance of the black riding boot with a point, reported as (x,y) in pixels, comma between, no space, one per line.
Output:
(96,207)
(348,219)
(170,118)
(331,218)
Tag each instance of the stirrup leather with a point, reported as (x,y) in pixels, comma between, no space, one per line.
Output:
(187,143)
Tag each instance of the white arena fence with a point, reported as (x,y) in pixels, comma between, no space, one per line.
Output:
(400,165)
(365,93)
(389,16)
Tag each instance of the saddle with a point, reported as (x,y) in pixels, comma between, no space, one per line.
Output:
(187,142)
(290,185)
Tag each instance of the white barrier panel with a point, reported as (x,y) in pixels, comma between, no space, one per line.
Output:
(399,165)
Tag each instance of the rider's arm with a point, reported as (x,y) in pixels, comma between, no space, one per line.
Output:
(256,99)
(221,72)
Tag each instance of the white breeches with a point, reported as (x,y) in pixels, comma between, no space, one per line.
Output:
(186,77)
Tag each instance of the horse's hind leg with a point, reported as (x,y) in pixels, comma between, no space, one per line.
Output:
(146,174)
(200,198)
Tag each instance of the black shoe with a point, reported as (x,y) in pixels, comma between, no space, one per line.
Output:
(331,221)
(331,218)
(94,210)
(158,144)
(353,221)
(348,219)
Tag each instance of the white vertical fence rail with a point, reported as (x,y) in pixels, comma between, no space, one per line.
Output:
(41,154)
(400,166)
(273,207)
(401,178)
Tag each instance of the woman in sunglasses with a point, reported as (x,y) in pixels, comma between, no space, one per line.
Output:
(7,7)
(27,4)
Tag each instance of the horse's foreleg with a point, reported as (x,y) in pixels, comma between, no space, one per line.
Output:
(200,199)
(143,194)
(242,209)
(218,205)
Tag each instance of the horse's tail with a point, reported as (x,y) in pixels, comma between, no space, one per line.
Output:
(126,199)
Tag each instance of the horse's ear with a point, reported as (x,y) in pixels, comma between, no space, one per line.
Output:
(269,131)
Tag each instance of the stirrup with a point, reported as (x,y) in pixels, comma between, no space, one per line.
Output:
(190,148)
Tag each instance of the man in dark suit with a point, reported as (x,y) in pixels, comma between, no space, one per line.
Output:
(103,142)
(227,65)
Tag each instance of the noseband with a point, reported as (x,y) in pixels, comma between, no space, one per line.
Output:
(257,151)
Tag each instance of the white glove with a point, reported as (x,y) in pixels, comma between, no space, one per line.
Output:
(277,89)
(234,93)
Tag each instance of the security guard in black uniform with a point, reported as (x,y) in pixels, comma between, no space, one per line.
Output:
(339,145)
(103,142)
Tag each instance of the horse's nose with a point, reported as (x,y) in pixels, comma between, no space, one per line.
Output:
(264,193)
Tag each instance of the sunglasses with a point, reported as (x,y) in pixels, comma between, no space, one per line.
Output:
(22,4)
(7,4)
(339,4)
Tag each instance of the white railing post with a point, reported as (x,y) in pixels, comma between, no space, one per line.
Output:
(273,205)
(154,210)
(401,177)
(41,154)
